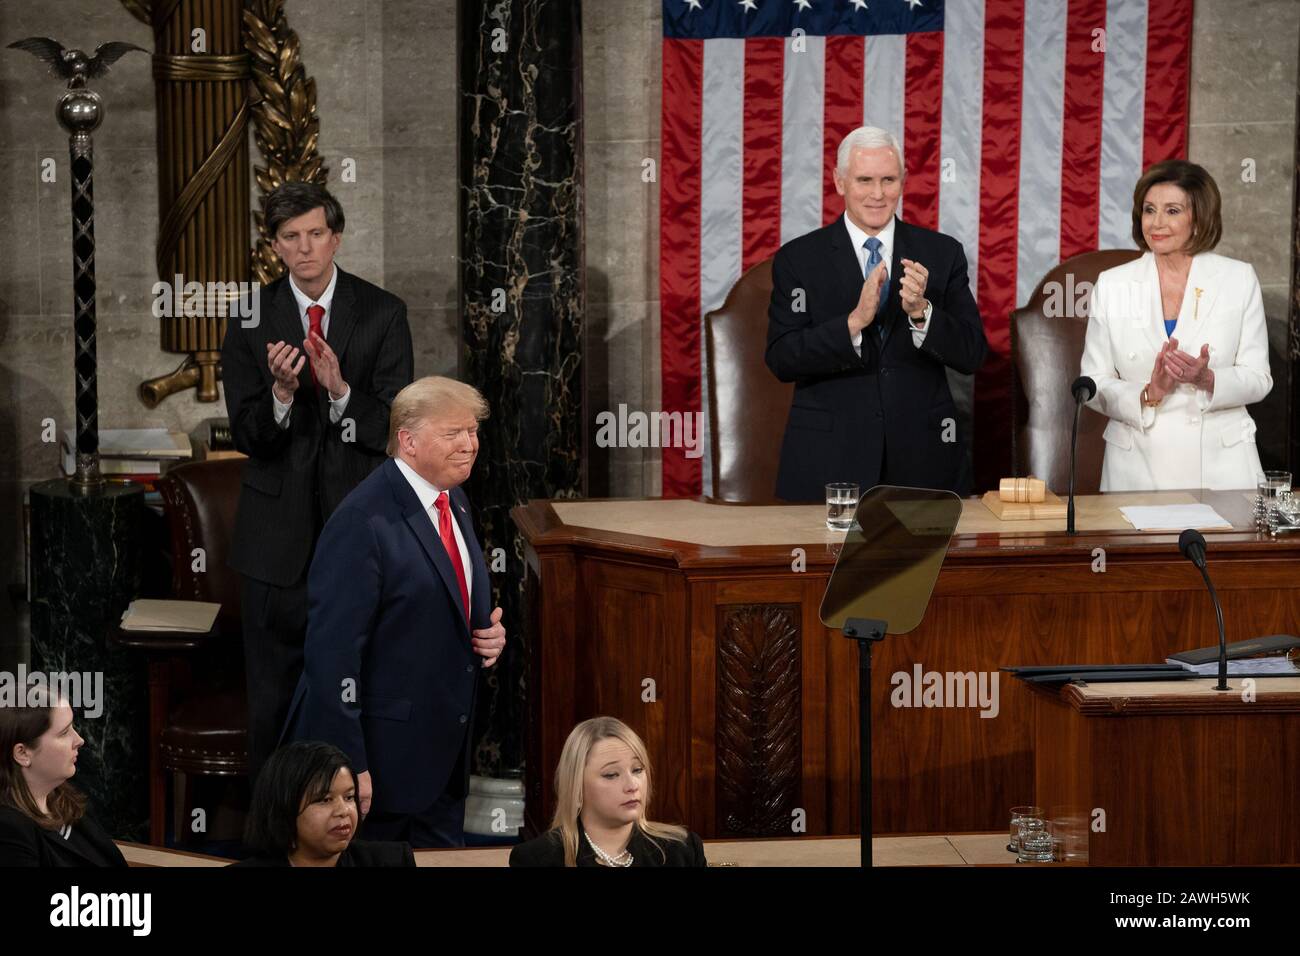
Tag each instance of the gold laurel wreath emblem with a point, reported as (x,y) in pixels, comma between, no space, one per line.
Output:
(286,126)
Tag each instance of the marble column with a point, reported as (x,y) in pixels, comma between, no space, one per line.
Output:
(523,297)
(85,570)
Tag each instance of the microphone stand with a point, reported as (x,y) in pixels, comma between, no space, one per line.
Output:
(1192,545)
(1223,646)
(1074,444)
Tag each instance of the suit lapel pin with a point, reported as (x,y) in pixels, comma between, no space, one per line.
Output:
(1196,306)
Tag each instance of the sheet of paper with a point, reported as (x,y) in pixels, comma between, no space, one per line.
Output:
(1173,517)
(146,614)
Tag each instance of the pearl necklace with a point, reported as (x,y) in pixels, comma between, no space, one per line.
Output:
(623,859)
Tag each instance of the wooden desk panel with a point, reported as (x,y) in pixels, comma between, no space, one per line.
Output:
(1178,775)
(752,728)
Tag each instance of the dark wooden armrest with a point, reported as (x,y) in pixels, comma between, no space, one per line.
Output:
(167,641)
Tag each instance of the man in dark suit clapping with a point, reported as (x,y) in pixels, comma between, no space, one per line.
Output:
(308,386)
(401,623)
(866,315)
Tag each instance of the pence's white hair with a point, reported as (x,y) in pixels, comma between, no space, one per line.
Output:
(867,137)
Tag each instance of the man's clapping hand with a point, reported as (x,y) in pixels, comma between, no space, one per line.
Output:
(868,300)
(325,365)
(285,362)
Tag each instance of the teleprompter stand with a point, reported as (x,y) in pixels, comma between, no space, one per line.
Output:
(881,584)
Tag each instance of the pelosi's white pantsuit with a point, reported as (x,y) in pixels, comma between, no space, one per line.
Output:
(1192,439)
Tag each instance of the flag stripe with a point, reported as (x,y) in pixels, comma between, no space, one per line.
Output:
(1041,123)
(963,109)
(1121,115)
(1169,27)
(761,182)
(801,137)
(1081,142)
(885,59)
(722,167)
(842,110)
(999,218)
(1000,167)
(923,103)
(679,248)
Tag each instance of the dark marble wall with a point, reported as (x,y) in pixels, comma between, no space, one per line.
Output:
(522,295)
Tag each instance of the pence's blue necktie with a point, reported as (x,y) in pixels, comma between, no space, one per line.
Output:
(874,259)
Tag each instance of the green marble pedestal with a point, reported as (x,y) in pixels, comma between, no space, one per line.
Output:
(85,568)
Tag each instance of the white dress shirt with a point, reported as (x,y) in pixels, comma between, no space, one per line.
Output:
(337,405)
(428,494)
(886,236)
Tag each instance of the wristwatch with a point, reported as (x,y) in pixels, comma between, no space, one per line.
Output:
(924,317)
(1146,399)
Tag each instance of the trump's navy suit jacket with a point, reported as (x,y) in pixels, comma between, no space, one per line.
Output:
(889,412)
(389,673)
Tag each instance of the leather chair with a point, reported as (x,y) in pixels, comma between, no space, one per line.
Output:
(1047,336)
(748,407)
(198,711)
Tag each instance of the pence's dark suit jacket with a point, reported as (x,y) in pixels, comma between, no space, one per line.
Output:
(884,417)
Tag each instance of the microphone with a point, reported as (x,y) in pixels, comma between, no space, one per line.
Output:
(1083,389)
(1191,544)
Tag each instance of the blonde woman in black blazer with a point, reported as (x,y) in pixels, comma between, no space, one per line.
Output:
(601,814)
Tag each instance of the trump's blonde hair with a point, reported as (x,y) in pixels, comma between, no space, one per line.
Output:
(568,784)
(430,396)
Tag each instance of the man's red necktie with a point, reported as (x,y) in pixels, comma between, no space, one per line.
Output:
(315,313)
(449,542)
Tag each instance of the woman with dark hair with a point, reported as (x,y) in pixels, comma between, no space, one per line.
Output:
(43,819)
(304,813)
(1177,345)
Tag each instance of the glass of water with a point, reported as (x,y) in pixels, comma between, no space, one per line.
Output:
(841,503)
(1275,485)
(1018,814)
(1035,841)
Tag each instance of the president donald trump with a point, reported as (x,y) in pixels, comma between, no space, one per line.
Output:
(400,623)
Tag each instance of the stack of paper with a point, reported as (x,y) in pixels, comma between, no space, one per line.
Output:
(1247,665)
(1173,517)
(194,617)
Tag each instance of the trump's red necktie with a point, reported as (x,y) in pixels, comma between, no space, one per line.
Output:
(315,313)
(449,542)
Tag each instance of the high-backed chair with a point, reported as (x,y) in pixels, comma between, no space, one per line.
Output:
(1047,336)
(198,711)
(748,407)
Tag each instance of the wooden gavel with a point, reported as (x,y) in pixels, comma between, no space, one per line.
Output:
(1022,490)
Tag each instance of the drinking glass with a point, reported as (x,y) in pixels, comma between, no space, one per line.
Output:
(1017,814)
(841,503)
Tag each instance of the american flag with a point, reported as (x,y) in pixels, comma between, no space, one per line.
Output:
(1024,123)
